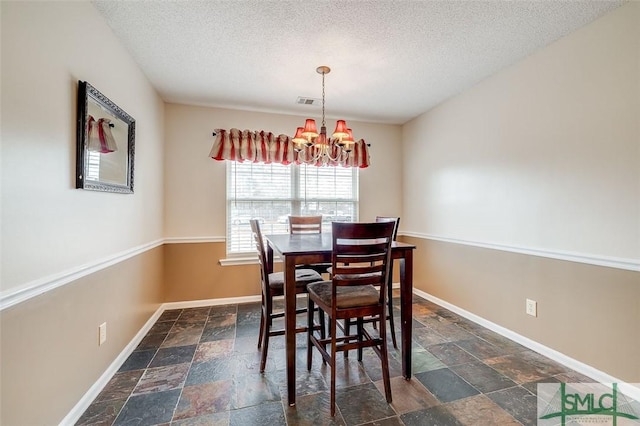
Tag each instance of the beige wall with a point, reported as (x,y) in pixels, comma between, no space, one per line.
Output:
(51,231)
(542,157)
(544,154)
(48,226)
(195,188)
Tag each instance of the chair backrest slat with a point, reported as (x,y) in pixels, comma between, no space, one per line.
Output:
(362,254)
(305,224)
(262,255)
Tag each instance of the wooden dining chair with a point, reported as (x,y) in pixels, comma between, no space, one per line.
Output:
(272,285)
(392,326)
(305,224)
(361,258)
(308,225)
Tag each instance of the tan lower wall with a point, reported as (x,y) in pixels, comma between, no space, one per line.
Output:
(192,272)
(589,313)
(49,344)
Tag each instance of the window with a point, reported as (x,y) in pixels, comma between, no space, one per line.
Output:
(271,192)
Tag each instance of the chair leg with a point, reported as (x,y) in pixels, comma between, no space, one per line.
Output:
(384,358)
(392,325)
(310,307)
(268,309)
(347,328)
(333,366)
(261,323)
(359,327)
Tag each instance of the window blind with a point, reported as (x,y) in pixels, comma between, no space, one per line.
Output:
(272,192)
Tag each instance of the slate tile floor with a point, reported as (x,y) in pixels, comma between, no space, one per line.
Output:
(199,366)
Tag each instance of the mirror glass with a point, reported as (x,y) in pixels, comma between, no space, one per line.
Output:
(106,136)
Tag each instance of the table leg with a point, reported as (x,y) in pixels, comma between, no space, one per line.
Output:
(290,326)
(406,310)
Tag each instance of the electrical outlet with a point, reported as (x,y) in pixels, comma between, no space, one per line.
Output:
(102,333)
(532,308)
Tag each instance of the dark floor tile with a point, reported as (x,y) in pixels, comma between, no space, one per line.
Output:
(243,345)
(169,315)
(423,360)
(120,386)
(573,377)
(451,331)
(480,348)
(518,402)
(211,371)
(208,351)
(149,409)
(211,333)
(451,354)
(533,386)
(216,419)
(222,320)
(253,390)
(408,395)
(101,413)
(527,366)
(151,341)
(480,410)
(362,404)
(391,421)
(446,385)
(223,310)
(483,377)
(434,416)
(313,410)
(268,414)
(349,372)
(138,360)
(204,399)
(506,345)
(426,337)
(162,379)
(182,338)
(193,326)
(373,365)
(173,355)
(161,327)
(197,314)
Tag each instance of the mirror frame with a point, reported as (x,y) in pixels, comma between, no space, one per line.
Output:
(87,93)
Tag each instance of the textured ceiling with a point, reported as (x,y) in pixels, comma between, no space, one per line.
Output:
(390,60)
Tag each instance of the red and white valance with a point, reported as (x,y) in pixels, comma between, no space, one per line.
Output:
(265,147)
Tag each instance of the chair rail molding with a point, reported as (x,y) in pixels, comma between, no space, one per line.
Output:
(591,259)
(20,294)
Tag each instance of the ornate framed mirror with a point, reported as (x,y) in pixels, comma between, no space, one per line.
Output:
(106,141)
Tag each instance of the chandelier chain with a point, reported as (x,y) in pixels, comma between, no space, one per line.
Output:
(323,121)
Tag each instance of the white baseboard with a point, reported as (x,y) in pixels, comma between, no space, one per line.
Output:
(631,390)
(72,417)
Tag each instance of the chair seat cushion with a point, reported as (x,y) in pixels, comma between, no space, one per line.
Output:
(303,277)
(346,297)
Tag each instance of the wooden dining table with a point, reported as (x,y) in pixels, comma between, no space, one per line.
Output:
(304,249)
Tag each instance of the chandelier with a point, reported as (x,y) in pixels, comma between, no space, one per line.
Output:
(314,147)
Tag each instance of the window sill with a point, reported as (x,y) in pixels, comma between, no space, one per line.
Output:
(235,261)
